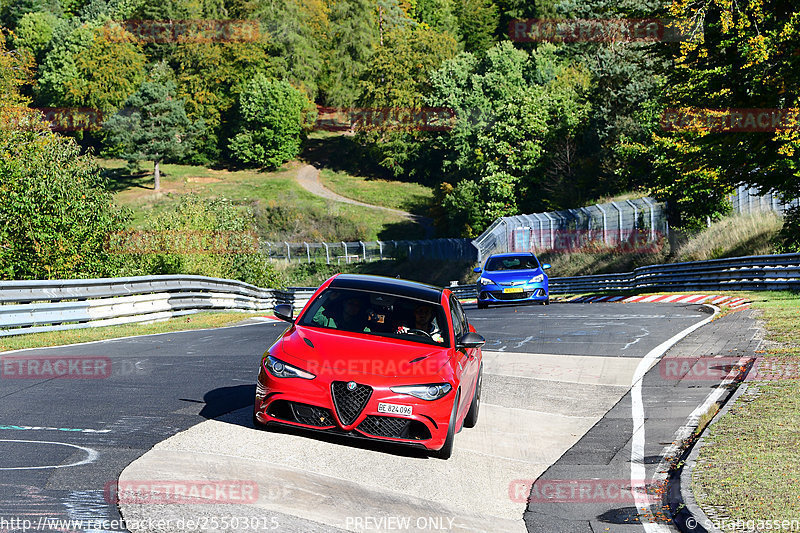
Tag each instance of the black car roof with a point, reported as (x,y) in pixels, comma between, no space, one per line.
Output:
(399,287)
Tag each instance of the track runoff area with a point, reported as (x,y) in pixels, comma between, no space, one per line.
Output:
(580,403)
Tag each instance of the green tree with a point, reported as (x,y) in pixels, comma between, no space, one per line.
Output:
(437,14)
(297,32)
(397,74)
(154,125)
(92,66)
(55,216)
(354,36)
(210,77)
(35,32)
(478,23)
(500,129)
(274,117)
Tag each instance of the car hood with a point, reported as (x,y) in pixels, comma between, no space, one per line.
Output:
(340,356)
(501,276)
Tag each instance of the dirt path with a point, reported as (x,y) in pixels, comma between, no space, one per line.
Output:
(308,178)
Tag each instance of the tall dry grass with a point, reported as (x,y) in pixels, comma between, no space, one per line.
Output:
(738,235)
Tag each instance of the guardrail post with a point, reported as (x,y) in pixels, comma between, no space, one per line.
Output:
(327,254)
(288,252)
(619,212)
(308,252)
(346,253)
(380,249)
(652,218)
(552,233)
(605,224)
(363,250)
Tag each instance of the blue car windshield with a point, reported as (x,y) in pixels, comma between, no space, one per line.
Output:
(524,262)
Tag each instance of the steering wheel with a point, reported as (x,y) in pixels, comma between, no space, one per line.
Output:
(415,331)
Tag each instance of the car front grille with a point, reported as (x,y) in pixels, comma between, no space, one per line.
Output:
(394,427)
(511,295)
(310,415)
(349,403)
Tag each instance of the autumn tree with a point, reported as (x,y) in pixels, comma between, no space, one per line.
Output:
(740,56)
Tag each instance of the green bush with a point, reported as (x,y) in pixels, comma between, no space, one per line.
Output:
(273,119)
(200,237)
(55,215)
(788,241)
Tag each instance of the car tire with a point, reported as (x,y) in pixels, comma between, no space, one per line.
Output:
(474,407)
(447,449)
(482,305)
(547,301)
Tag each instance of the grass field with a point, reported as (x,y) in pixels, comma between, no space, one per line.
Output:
(294,214)
(749,468)
(410,197)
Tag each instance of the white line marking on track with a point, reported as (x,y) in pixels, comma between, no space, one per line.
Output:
(638,473)
(91,455)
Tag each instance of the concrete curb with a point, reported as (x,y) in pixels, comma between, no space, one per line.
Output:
(697,520)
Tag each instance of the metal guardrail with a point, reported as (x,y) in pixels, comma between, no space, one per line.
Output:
(49,305)
(763,272)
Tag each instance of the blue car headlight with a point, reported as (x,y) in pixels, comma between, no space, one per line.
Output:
(537,279)
(486,281)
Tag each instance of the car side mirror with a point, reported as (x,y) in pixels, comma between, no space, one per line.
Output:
(471,340)
(284,312)
(546,266)
(477,270)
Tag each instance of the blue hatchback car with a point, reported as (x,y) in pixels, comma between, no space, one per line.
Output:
(512,278)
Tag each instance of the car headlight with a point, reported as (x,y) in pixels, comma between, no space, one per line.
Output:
(279,369)
(537,279)
(486,281)
(430,392)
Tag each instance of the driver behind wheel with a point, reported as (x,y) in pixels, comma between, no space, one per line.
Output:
(424,321)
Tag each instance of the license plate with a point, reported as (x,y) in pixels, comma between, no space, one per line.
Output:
(394,409)
(513,289)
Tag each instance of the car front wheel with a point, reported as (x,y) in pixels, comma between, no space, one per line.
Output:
(472,415)
(447,449)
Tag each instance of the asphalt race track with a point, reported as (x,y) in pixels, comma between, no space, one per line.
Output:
(177,407)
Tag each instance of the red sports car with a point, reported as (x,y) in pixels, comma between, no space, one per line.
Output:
(378,358)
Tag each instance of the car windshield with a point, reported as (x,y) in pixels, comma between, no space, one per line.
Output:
(523,262)
(384,315)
